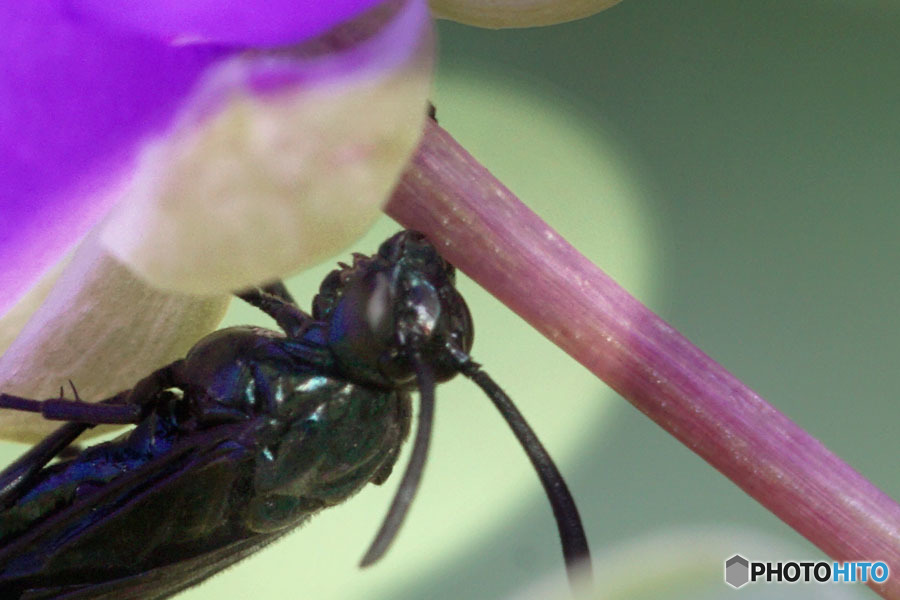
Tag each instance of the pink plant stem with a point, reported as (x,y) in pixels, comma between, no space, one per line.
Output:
(482,228)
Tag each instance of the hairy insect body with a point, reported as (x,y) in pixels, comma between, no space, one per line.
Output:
(282,439)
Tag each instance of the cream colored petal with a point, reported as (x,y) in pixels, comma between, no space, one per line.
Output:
(263,183)
(14,320)
(99,326)
(497,14)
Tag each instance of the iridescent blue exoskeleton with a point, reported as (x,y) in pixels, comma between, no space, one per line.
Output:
(248,435)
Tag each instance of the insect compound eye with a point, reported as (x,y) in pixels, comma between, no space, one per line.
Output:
(362,325)
(381,317)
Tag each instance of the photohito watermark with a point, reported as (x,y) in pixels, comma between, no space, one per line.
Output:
(739,571)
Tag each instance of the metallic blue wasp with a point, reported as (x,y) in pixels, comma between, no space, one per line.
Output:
(249,435)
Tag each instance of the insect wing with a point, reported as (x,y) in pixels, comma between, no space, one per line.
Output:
(128,521)
(161,582)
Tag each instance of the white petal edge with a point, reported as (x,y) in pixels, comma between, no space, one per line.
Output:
(274,183)
(100,327)
(498,14)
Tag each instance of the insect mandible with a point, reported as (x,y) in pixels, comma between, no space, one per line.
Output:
(250,434)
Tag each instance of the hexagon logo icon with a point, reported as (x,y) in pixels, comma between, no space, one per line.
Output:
(737,571)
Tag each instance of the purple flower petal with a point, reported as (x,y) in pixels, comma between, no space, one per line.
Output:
(75,99)
(290,152)
(81,95)
(269,23)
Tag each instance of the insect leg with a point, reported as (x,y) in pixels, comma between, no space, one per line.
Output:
(278,289)
(16,479)
(125,407)
(275,300)
(61,409)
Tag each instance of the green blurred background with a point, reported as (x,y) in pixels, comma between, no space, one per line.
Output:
(734,165)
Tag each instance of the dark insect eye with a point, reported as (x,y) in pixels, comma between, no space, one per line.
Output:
(362,325)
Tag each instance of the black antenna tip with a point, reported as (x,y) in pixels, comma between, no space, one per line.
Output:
(409,485)
(571,531)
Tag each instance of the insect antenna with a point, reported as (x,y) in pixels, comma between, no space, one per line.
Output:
(413,475)
(571,532)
